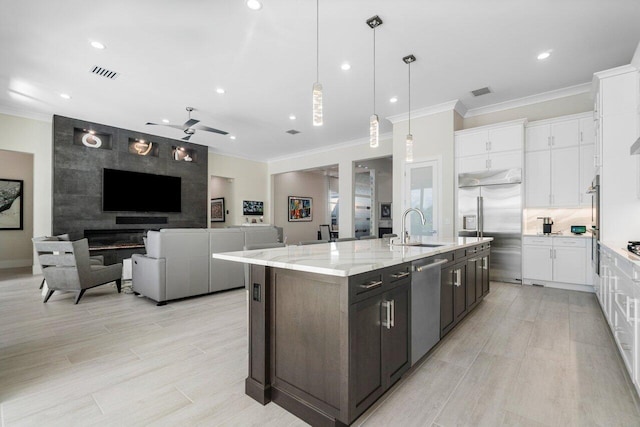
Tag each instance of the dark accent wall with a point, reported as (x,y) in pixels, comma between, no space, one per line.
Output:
(77,179)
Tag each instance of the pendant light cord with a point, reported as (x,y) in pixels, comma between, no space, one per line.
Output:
(409,98)
(374,70)
(317,40)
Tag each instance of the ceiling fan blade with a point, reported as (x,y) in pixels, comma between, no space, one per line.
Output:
(169,126)
(189,123)
(208,129)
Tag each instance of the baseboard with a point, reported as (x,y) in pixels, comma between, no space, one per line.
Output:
(15,263)
(560,285)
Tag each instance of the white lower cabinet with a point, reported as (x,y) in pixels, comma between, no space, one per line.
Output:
(555,261)
(619,297)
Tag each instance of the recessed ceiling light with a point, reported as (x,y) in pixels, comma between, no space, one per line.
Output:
(345,66)
(254,4)
(65,96)
(292,117)
(220,90)
(544,55)
(97,45)
(165,121)
(232,137)
(393,99)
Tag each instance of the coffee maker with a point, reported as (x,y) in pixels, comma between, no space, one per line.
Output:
(547,222)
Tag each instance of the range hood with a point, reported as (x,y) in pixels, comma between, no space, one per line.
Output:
(635,148)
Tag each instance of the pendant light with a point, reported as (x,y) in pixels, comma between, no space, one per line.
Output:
(409,141)
(317,87)
(374,124)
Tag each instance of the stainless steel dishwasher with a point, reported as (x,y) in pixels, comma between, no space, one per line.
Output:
(425,306)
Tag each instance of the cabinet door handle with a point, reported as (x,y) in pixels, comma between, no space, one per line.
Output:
(371,285)
(581,138)
(486,164)
(484,263)
(400,275)
(489,163)
(393,313)
(553,140)
(456,278)
(486,146)
(387,319)
(489,145)
(550,253)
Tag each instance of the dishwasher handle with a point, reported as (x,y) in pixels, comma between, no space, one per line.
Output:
(436,263)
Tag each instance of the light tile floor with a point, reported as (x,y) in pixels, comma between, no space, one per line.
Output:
(525,356)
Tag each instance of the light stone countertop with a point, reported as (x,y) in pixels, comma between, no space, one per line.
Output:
(575,236)
(345,259)
(620,248)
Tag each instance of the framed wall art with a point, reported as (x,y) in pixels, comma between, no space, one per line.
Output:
(11,204)
(217,210)
(385,210)
(300,208)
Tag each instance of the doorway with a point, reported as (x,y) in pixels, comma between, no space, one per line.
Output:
(221,212)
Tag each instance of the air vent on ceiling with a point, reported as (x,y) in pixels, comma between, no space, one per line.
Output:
(293,131)
(104,72)
(481,91)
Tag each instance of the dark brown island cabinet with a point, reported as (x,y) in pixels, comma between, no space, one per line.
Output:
(464,282)
(326,348)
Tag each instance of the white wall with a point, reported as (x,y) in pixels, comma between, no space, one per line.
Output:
(33,136)
(542,110)
(16,249)
(222,187)
(433,137)
(302,184)
(344,155)
(250,182)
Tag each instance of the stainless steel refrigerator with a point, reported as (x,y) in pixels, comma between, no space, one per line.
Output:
(490,205)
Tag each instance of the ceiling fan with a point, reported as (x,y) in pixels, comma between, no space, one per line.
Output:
(190,126)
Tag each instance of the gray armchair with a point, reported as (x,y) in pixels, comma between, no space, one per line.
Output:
(67,267)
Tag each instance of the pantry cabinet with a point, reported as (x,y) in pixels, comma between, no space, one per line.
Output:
(559,161)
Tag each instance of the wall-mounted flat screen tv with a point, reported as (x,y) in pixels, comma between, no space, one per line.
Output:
(250,207)
(140,192)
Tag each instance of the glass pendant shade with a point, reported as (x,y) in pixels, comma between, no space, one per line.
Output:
(374,130)
(317,104)
(409,148)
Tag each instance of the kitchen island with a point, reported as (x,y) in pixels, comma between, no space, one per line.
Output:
(330,324)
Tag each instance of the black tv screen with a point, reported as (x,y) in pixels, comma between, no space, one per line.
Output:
(250,207)
(140,192)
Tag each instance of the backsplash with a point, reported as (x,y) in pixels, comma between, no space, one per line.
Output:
(563,219)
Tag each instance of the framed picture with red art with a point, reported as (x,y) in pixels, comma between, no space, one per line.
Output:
(300,209)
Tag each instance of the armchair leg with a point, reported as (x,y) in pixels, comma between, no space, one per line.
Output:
(119,285)
(49,293)
(80,295)
(42,284)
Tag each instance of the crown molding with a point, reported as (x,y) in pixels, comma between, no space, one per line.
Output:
(529,100)
(428,111)
(351,143)
(612,72)
(25,114)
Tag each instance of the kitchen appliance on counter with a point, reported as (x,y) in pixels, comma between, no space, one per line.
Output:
(547,223)
(425,306)
(634,247)
(490,205)
(594,190)
(578,229)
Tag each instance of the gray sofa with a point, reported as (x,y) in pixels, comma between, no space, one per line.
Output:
(178,261)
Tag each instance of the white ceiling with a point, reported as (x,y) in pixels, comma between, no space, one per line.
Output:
(173,54)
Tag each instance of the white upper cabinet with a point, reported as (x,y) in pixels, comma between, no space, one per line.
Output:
(587,131)
(490,147)
(472,144)
(559,161)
